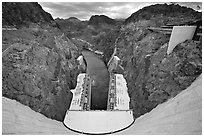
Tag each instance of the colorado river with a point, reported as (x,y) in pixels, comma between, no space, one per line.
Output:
(98,71)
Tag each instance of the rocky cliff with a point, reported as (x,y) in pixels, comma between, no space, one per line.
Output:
(38,64)
(23,13)
(165,13)
(39,68)
(152,76)
(73,19)
(70,24)
(101,19)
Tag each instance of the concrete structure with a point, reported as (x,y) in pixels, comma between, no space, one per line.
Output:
(180,34)
(82,64)
(93,120)
(167,29)
(113,63)
(80,60)
(77,93)
(82,93)
(122,97)
(20,119)
(118,98)
(98,52)
(118,116)
(98,121)
(180,115)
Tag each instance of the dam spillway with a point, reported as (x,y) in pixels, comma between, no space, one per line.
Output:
(169,118)
(100,103)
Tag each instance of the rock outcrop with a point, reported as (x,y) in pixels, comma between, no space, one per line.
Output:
(39,67)
(154,77)
(165,13)
(38,64)
(74,19)
(41,73)
(72,27)
(23,13)
(70,24)
(101,19)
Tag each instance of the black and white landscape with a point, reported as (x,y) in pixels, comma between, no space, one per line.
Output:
(39,63)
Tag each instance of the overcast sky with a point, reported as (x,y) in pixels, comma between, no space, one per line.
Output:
(84,10)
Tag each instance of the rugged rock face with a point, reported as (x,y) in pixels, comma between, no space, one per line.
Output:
(38,63)
(70,24)
(153,76)
(41,73)
(91,31)
(106,44)
(100,19)
(164,12)
(74,19)
(23,13)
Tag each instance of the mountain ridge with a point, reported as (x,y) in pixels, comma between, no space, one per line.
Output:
(24,13)
(171,10)
(100,19)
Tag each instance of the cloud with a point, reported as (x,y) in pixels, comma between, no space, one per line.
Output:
(84,10)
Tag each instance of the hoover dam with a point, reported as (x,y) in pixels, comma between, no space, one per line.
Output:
(179,115)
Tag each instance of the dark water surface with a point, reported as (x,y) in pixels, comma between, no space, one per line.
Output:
(98,71)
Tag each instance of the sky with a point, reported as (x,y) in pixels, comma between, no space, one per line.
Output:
(84,10)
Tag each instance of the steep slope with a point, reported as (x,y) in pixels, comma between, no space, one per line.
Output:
(40,72)
(166,13)
(23,13)
(101,19)
(38,64)
(70,24)
(153,76)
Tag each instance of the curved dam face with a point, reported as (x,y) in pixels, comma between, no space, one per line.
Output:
(181,115)
(99,74)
